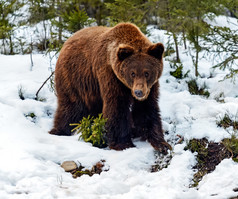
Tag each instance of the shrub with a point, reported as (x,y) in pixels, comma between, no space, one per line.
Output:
(178,72)
(92,130)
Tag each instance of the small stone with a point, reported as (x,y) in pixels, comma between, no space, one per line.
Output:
(69,166)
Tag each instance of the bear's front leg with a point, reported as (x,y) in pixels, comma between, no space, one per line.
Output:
(117,112)
(147,121)
(116,102)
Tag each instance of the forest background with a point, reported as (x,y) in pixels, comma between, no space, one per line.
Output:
(184,20)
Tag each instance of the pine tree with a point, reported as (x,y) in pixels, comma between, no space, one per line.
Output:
(70,16)
(171,19)
(195,13)
(221,42)
(231,6)
(7,26)
(97,9)
(41,12)
(133,11)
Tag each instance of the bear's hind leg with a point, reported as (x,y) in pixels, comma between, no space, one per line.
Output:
(65,115)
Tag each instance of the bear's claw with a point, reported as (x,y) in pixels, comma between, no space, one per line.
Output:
(162,147)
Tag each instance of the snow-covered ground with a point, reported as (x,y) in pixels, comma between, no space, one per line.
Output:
(30,158)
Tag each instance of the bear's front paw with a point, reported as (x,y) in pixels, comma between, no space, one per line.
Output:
(121,146)
(55,131)
(162,147)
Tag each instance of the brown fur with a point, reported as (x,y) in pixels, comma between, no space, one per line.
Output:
(94,74)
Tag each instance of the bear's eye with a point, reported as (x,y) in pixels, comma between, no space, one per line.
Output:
(133,74)
(146,74)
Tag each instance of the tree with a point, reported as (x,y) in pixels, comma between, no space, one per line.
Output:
(75,19)
(98,10)
(195,24)
(221,42)
(70,16)
(41,11)
(133,11)
(7,25)
(188,19)
(171,15)
(232,7)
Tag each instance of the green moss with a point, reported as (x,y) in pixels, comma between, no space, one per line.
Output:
(232,145)
(178,72)
(193,87)
(235,159)
(227,122)
(96,169)
(208,156)
(220,98)
(194,90)
(32,116)
(92,130)
(80,173)
(200,147)
(197,177)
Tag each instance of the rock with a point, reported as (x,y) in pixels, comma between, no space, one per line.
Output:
(69,166)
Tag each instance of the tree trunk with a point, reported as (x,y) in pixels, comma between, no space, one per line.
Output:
(99,16)
(196,63)
(176,47)
(4,47)
(45,35)
(11,44)
(184,40)
(197,48)
(60,21)
(60,30)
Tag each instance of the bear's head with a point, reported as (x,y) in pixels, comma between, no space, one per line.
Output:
(139,71)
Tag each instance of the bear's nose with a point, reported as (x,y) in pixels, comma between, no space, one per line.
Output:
(138,93)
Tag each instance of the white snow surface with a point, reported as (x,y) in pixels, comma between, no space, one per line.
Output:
(30,157)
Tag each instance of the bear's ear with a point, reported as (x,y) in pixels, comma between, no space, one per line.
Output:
(156,50)
(124,52)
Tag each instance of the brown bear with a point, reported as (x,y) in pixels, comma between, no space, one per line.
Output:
(113,71)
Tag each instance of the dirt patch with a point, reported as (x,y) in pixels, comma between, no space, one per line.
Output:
(209,155)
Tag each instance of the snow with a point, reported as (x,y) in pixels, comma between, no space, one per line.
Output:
(31,158)
(223,21)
